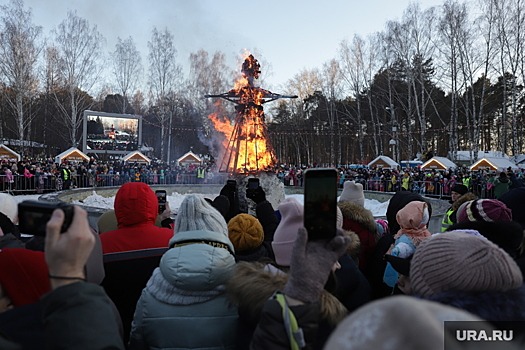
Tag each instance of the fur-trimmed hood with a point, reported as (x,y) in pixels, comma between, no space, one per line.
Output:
(357,213)
(252,284)
(490,306)
(469,196)
(355,244)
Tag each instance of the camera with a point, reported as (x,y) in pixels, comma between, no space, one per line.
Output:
(34,215)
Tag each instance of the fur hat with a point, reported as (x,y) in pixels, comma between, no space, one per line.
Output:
(489,210)
(245,232)
(458,261)
(459,188)
(23,275)
(9,207)
(371,326)
(353,192)
(292,213)
(195,213)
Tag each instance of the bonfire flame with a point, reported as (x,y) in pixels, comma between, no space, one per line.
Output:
(246,142)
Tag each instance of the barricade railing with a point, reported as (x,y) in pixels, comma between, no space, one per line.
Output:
(18,184)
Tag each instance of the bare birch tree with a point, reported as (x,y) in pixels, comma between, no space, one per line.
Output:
(20,48)
(80,56)
(164,78)
(127,68)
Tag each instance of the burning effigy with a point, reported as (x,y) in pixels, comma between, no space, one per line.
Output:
(247,148)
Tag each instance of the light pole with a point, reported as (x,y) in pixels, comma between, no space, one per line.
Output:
(393,140)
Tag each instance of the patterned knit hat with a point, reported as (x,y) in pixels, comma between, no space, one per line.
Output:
(458,261)
(292,213)
(245,232)
(352,192)
(195,213)
(23,275)
(489,210)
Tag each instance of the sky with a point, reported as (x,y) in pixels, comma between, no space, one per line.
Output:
(286,36)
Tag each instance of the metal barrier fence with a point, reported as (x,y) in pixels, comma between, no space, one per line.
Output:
(18,184)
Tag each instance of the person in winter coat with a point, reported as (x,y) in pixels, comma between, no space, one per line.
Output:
(412,219)
(378,263)
(253,283)
(136,209)
(501,184)
(184,304)
(459,195)
(494,220)
(471,273)
(247,236)
(359,220)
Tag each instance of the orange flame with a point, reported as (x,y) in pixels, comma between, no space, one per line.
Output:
(246,144)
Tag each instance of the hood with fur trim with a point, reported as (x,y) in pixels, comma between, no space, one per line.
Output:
(252,284)
(355,244)
(469,196)
(357,213)
(490,306)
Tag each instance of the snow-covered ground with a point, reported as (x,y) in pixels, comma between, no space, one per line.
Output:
(95,200)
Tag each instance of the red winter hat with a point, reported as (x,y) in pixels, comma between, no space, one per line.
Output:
(488,210)
(23,275)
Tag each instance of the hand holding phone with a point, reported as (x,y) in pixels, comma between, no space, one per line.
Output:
(34,215)
(320,203)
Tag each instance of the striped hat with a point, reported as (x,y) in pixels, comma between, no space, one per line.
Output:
(488,210)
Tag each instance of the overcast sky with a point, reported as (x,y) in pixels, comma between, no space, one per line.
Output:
(289,35)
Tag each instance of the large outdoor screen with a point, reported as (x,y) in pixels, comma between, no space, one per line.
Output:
(111,133)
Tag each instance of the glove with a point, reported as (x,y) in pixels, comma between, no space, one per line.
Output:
(311,264)
(257,195)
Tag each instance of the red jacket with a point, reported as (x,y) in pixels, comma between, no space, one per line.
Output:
(136,209)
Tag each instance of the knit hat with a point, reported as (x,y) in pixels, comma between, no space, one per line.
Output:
(458,261)
(352,192)
(459,188)
(292,213)
(23,275)
(245,232)
(9,207)
(195,213)
(489,210)
(371,326)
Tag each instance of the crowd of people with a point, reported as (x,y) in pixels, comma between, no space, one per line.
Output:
(44,175)
(219,278)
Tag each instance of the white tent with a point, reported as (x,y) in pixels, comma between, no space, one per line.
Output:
(494,164)
(440,163)
(384,162)
(71,155)
(8,154)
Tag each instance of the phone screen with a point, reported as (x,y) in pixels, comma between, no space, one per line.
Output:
(253,183)
(161,197)
(320,203)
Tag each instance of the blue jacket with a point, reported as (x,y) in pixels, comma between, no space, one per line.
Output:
(184,303)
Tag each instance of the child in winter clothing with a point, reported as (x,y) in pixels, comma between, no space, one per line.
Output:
(412,219)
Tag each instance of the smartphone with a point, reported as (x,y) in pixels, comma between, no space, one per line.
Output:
(231,183)
(320,203)
(253,183)
(161,198)
(34,215)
